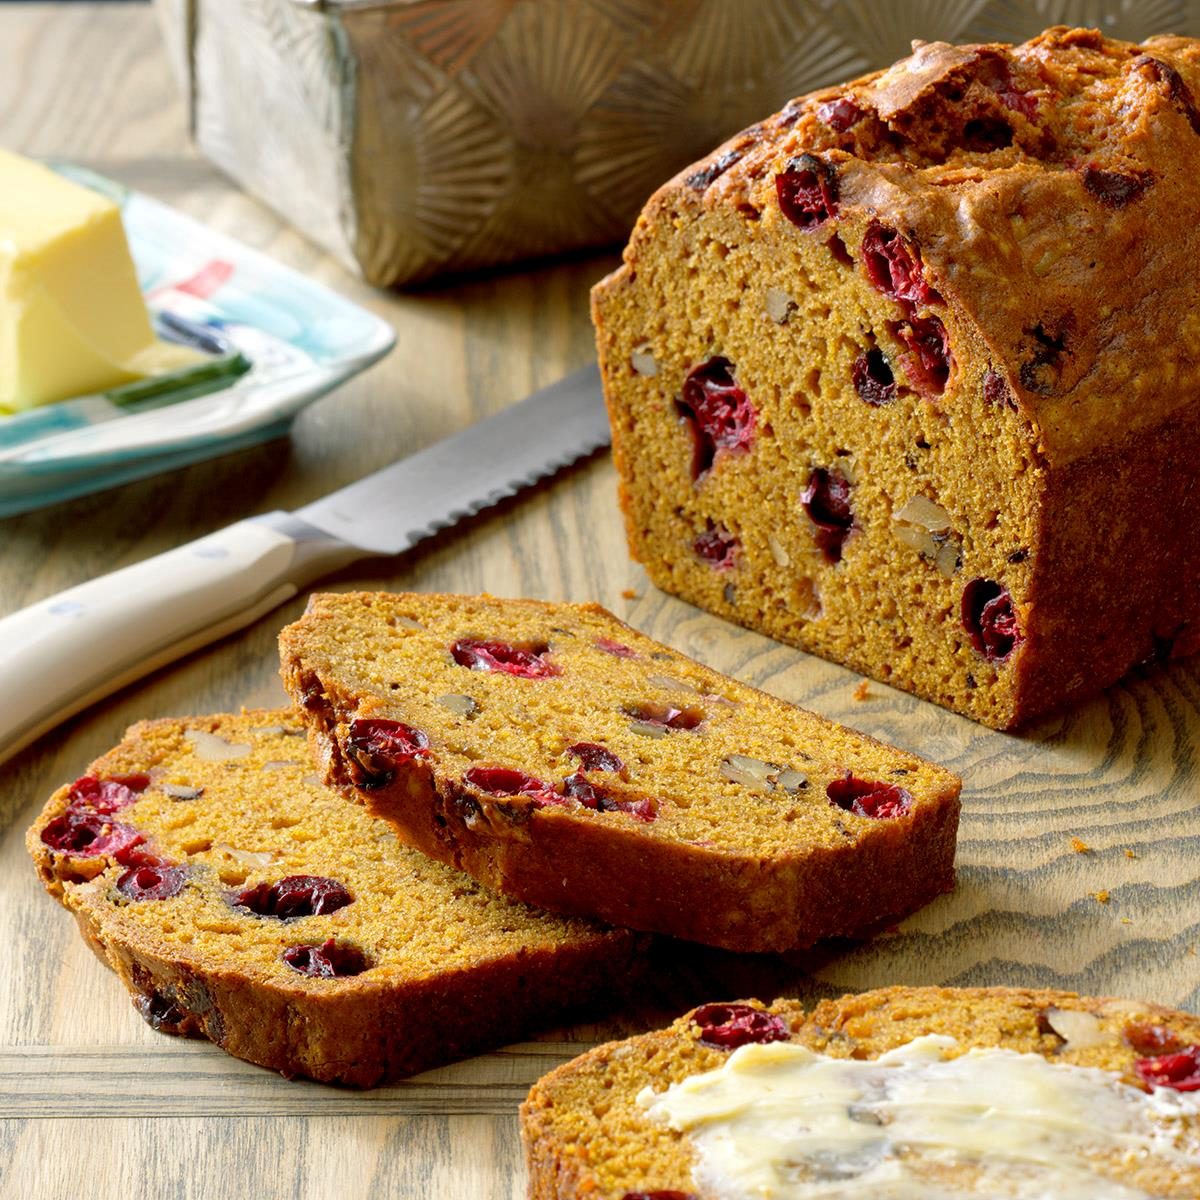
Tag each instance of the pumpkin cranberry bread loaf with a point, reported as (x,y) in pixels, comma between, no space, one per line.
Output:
(566,760)
(239,900)
(904,1093)
(909,374)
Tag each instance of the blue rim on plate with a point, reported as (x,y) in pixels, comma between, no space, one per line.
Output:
(279,341)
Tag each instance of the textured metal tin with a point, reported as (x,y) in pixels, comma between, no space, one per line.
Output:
(416,137)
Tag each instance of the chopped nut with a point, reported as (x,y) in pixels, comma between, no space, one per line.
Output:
(778,553)
(211,748)
(922,512)
(926,528)
(1078,1030)
(670,683)
(181,791)
(279,764)
(779,305)
(252,858)
(762,776)
(462,706)
(648,729)
(791,780)
(643,361)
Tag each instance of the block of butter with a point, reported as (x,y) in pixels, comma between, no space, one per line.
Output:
(72,317)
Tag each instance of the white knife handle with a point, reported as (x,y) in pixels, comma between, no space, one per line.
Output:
(65,652)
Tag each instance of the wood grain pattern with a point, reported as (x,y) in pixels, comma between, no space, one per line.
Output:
(92,1102)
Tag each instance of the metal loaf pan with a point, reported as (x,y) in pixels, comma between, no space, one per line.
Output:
(416,137)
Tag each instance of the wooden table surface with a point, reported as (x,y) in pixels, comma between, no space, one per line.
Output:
(94,1103)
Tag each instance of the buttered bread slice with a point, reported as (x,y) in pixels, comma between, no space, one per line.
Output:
(564,759)
(904,1093)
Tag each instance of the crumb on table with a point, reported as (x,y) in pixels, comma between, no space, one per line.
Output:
(863,691)
(1101,897)
(1080,846)
(629,594)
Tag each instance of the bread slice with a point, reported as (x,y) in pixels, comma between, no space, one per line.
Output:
(241,901)
(564,759)
(896,374)
(1088,1062)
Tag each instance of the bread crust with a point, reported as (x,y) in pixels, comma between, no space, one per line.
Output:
(585,1136)
(568,861)
(357,1031)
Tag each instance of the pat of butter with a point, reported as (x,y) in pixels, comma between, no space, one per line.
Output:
(72,317)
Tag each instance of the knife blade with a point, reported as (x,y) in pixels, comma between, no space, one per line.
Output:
(67,651)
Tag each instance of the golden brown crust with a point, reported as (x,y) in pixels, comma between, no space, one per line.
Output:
(1041,186)
(813,872)
(195,965)
(585,1135)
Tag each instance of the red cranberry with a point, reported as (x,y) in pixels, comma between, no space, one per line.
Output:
(140,855)
(839,114)
(505,781)
(827,502)
(666,716)
(295,896)
(1040,372)
(594,757)
(376,749)
(1151,1039)
(996,391)
(807,191)
(873,378)
(332,960)
(985,134)
(152,882)
(1011,96)
(717,547)
(1114,189)
(733,1025)
(1180,1071)
(717,412)
(88,835)
(660,1195)
(107,795)
(616,649)
(526,662)
(579,787)
(1177,91)
(894,267)
(928,359)
(869,797)
(990,619)
(699,180)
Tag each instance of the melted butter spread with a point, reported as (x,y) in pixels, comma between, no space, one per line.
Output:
(781,1122)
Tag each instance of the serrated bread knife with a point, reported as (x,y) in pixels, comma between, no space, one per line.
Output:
(68,651)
